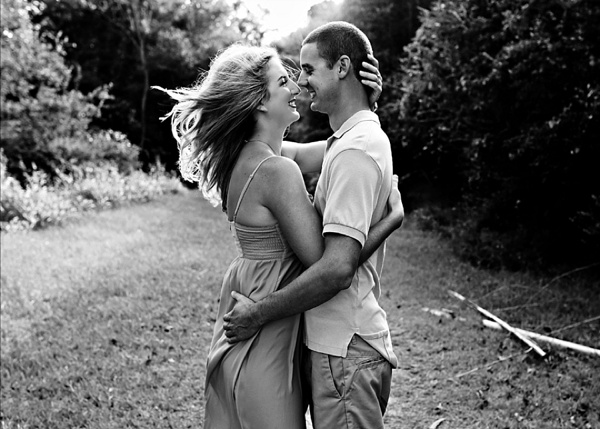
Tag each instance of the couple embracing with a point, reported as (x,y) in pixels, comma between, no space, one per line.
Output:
(299,324)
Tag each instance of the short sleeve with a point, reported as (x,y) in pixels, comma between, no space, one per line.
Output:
(355,181)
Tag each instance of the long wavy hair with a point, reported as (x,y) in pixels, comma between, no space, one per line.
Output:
(212,120)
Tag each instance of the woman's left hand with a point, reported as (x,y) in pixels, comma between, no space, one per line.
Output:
(372,79)
(395,203)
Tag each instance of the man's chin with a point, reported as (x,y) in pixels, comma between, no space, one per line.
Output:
(315,107)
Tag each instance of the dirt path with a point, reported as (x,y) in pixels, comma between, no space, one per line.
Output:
(452,371)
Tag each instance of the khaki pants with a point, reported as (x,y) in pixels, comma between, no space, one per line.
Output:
(350,392)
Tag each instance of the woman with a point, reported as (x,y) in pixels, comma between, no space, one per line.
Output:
(229,130)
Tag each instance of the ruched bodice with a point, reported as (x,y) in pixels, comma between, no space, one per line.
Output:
(260,243)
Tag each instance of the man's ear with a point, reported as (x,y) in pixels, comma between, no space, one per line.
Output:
(344,65)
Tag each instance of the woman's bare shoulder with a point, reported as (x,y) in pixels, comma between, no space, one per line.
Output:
(281,167)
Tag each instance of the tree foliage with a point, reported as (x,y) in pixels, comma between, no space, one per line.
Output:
(501,106)
(134,45)
(39,111)
(492,104)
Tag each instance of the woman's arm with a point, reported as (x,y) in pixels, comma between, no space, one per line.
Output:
(386,226)
(308,156)
(286,197)
(284,194)
(372,79)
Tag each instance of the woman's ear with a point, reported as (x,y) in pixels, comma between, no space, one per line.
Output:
(343,66)
(262,108)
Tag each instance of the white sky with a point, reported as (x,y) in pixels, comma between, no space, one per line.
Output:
(285,15)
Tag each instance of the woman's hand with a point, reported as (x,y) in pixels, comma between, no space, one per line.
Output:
(379,232)
(372,79)
(395,203)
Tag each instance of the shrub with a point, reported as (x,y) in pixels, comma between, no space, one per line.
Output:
(43,201)
(98,147)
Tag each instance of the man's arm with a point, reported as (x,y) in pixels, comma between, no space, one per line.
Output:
(318,284)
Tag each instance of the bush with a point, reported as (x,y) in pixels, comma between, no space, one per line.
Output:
(44,201)
(500,107)
(98,148)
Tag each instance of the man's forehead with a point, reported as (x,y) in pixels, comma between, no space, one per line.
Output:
(309,54)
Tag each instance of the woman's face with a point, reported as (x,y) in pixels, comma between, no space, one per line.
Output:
(281,105)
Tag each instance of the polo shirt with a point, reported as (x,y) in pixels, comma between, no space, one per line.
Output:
(351,196)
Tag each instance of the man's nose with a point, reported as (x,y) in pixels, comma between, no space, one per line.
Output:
(302,80)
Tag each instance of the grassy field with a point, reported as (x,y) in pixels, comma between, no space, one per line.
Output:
(106,323)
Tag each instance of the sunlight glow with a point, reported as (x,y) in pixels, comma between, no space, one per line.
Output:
(285,16)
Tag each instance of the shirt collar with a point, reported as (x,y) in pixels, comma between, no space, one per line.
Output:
(360,116)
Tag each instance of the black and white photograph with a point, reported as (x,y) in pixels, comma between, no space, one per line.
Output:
(299,214)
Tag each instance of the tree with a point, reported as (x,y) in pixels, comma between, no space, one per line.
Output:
(133,19)
(500,106)
(37,106)
(166,43)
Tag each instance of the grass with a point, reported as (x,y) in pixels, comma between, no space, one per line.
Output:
(106,323)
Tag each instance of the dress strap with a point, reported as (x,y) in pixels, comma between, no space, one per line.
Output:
(245,188)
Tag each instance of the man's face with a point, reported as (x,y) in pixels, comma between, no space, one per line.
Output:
(318,79)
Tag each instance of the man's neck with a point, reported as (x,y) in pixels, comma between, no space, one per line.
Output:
(338,118)
(349,103)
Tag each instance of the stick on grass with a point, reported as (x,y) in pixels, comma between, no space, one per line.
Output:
(502,323)
(549,340)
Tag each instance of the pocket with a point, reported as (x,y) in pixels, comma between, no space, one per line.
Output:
(370,362)
(372,381)
(333,372)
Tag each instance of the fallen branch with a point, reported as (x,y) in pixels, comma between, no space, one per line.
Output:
(518,307)
(502,323)
(568,273)
(489,365)
(448,314)
(437,423)
(574,325)
(550,340)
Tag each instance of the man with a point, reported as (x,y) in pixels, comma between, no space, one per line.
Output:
(350,357)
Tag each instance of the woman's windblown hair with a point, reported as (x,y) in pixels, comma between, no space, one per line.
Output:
(212,119)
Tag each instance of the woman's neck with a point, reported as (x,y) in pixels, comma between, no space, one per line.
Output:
(274,144)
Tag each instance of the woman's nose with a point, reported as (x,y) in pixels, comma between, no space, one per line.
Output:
(295,88)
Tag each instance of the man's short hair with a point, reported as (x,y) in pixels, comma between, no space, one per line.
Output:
(338,38)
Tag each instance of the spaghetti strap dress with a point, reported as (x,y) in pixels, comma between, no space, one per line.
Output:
(255,384)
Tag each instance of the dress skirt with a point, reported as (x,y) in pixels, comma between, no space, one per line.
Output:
(255,384)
